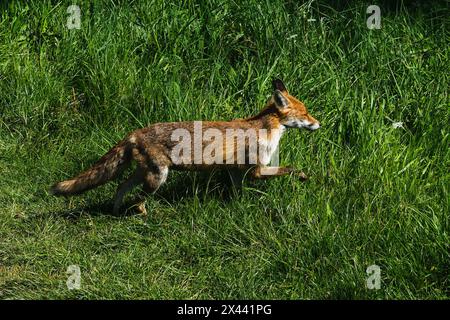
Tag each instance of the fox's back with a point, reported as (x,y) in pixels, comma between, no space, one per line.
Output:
(200,144)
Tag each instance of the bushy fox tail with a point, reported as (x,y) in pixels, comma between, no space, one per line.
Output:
(108,167)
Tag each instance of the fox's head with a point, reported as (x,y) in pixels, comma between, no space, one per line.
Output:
(292,112)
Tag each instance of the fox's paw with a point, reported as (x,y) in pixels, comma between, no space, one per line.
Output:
(140,209)
(297,173)
(301,175)
(137,208)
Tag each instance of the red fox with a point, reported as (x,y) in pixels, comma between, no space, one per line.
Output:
(242,144)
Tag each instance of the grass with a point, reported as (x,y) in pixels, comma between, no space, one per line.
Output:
(377,194)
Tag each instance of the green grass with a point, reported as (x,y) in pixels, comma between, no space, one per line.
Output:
(377,194)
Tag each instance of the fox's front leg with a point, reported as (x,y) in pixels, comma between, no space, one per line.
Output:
(263,172)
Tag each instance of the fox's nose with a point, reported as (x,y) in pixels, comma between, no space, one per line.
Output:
(314,126)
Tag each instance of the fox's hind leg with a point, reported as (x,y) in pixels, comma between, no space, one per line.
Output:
(134,180)
(153,179)
(152,170)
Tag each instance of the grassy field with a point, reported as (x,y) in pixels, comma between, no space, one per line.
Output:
(378,192)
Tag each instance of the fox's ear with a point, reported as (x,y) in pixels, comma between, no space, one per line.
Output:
(278,85)
(280,99)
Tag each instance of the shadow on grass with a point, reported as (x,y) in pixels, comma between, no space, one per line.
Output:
(221,185)
(103,208)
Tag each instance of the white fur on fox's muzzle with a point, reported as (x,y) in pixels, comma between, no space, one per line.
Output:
(313,126)
(297,123)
